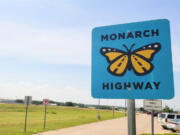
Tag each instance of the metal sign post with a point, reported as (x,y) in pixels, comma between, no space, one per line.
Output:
(131,117)
(27,101)
(98,116)
(152,121)
(125,108)
(45,117)
(45,102)
(113,110)
(26,118)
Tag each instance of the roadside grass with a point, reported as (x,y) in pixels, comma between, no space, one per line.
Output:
(162,134)
(12,118)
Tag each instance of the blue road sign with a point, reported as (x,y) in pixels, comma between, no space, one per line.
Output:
(132,61)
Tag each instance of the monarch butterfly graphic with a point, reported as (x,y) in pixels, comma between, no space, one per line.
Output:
(138,60)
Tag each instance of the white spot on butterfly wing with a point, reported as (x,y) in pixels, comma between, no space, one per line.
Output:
(104,50)
(149,46)
(156,46)
(109,49)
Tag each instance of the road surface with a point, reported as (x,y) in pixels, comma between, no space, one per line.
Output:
(111,127)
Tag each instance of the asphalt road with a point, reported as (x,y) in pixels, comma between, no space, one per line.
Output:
(111,127)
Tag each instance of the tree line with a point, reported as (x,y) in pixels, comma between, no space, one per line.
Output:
(72,104)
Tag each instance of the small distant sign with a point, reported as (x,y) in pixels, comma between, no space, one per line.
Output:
(155,105)
(45,101)
(28,100)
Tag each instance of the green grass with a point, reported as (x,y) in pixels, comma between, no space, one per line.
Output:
(162,134)
(12,118)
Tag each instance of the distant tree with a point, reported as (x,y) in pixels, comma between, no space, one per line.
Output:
(81,105)
(52,102)
(168,109)
(59,104)
(105,107)
(141,109)
(69,104)
(37,102)
(19,101)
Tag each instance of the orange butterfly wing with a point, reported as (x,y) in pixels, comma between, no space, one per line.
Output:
(117,59)
(142,57)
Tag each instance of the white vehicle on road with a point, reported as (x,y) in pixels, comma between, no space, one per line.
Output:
(174,125)
(166,118)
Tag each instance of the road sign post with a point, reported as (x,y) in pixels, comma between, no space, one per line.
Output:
(98,115)
(125,108)
(113,110)
(26,118)
(131,117)
(152,121)
(45,102)
(45,116)
(27,101)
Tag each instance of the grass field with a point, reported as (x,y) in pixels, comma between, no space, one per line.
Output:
(161,134)
(12,118)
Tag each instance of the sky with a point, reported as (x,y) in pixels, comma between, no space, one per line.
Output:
(45,45)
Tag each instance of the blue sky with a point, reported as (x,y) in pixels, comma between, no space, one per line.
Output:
(46,44)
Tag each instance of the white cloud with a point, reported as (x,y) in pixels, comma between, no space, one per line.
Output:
(21,89)
(40,91)
(44,45)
